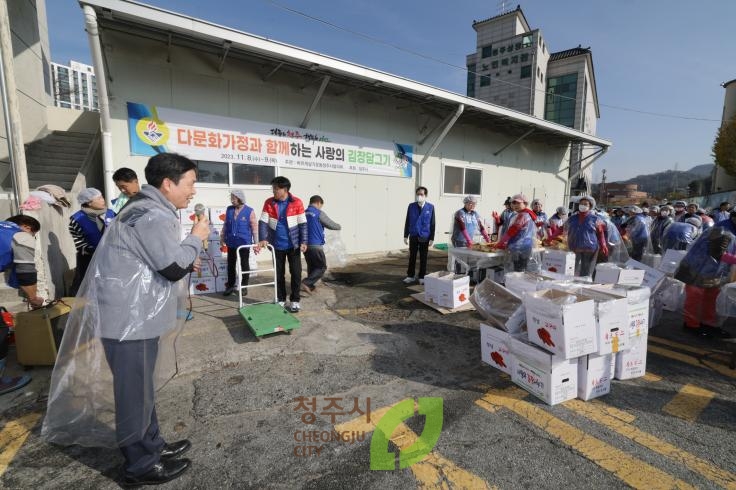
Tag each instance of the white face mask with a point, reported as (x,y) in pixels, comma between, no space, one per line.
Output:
(420,199)
(584,208)
(664,213)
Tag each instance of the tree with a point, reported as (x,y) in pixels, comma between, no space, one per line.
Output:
(724,148)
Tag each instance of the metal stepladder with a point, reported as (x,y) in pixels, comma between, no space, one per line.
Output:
(262,317)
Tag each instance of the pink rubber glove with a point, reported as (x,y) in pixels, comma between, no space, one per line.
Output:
(728,258)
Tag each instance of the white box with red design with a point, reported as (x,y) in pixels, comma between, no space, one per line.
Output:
(549,377)
(594,375)
(494,348)
(561,322)
(632,363)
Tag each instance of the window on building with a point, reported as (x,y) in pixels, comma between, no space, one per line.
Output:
(228,174)
(486,51)
(485,80)
(514,59)
(560,99)
(526,41)
(517,46)
(495,52)
(462,181)
(510,48)
(526,71)
(505,62)
(524,57)
(503,49)
(471,81)
(494,64)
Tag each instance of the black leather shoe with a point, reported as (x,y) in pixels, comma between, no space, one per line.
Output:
(175,449)
(717,332)
(161,472)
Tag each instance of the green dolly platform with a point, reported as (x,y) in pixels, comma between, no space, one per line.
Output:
(264,317)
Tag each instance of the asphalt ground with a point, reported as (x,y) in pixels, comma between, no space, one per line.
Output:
(362,338)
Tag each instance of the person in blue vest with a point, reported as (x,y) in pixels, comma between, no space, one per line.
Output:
(466,222)
(519,237)
(637,231)
(317,221)
(86,227)
(681,234)
(240,228)
(17,259)
(418,234)
(586,236)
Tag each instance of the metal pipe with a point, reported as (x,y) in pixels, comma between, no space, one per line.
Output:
(11,111)
(95,46)
(439,139)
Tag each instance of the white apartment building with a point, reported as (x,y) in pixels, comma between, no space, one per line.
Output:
(513,67)
(75,86)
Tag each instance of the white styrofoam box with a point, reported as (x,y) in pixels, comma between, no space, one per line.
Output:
(522,282)
(431,289)
(546,376)
(494,348)
(638,306)
(186,216)
(202,285)
(670,261)
(453,291)
(612,321)
(594,375)
(220,283)
(566,329)
(559,261)
(217,216)
(612,274)
(652,276)
(671,294)
(633,362)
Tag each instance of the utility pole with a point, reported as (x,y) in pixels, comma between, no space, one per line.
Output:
(11,111)
(604,194)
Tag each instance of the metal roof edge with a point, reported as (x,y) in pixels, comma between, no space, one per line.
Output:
(150,15)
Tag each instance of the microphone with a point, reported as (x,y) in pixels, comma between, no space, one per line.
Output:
(199,211)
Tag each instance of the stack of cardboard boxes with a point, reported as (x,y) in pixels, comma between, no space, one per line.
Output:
(578,337)
(213,274)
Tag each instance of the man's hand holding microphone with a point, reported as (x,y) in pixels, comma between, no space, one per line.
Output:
(201,230)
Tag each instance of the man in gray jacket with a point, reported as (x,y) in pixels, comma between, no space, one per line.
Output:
(131,305)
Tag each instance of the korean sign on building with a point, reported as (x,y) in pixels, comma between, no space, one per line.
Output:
(223,139)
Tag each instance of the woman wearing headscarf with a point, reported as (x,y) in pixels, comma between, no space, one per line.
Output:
(86,227)
(241,228)
(466,222)
(586,236)
(519,238)
(637,232)
(659,225)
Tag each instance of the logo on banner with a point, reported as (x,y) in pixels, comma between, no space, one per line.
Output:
(152,132)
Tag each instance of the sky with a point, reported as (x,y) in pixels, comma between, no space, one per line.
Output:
(657,56)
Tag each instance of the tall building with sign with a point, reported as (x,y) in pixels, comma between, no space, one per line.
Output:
(75,86)
(512,66)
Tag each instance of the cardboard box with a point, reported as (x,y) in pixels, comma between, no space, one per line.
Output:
(215,232)
(550,378)
(217,215)
(611,274)
(638,306)
(652,276)
(671,294)
(453,290)
(594,375)
(431,288)
(612,321)
(186,216)
(206,270)
(670,261)
(633,362)
(559,261)
(202,285)
(220,264)
(220,283)
(494,348)
(523,282)
(566,329)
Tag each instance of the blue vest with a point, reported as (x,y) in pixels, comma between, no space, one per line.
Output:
(523,241)
(582,236)
(239,231)
(678,236)
(7,232)
(92,234)
(471,223)
(420,220)
(709,272)
(314,228)
(638,229)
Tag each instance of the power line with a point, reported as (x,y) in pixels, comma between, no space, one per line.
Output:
(465,69)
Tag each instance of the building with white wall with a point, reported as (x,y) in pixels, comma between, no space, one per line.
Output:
(75,86)
(513,67)
(246,108)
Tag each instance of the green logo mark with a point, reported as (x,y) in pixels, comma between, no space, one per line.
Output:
(382,458)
